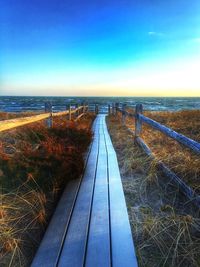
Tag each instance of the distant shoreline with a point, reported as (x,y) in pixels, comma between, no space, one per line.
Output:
(34,103)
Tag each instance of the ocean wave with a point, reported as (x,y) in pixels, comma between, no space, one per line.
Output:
(19,104)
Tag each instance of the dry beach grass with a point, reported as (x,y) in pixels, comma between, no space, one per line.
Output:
(166,228)
(184,162)
(35,165)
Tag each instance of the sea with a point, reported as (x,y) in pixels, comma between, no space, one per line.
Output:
(36,103)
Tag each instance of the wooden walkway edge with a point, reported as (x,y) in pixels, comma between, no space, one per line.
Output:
(90,226)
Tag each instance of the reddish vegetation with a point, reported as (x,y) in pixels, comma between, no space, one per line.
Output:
(35,165)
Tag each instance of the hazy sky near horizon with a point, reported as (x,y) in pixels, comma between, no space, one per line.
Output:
(100,47)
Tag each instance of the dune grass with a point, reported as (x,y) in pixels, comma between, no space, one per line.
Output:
(184,162)
(165,227)
(35,165)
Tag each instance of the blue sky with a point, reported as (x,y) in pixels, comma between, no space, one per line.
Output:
(99,47)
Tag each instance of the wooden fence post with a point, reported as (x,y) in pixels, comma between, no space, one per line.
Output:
(77,112)
(86,107)
(48,109)
(116,108)
(123,114)
(108,109)
(70,115)
(138,122)
(83,107)
(96,108)
(113,108)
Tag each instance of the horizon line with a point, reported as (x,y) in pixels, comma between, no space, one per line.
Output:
(99,96)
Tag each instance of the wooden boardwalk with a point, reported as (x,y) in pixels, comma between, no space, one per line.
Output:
(90,226)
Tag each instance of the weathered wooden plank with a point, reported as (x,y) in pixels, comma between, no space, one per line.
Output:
(14,123)
(48,109)
(182,139)
(80,116)
(123,114)
(138,121)
(96,108)
(99,220)
(73,252)
(195,146)
(143,145)
(69,109)
(98,247)
(73,111)
(184,188)
(123,252)
(109,109)
(61,113)
(50,247)
(128,114)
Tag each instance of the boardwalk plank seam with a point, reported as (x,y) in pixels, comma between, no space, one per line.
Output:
(122,252)
(40,259)
(86,162)
(91,204)
(74,246)
(98,236)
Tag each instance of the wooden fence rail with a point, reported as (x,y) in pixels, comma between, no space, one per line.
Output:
(14,123)
(193,145)
(140,118)
(187,142)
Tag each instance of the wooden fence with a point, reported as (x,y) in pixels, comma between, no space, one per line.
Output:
(183,140)
(71,113)
(140,118)
(77,112)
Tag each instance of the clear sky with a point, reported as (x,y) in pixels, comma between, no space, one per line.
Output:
(100,47)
